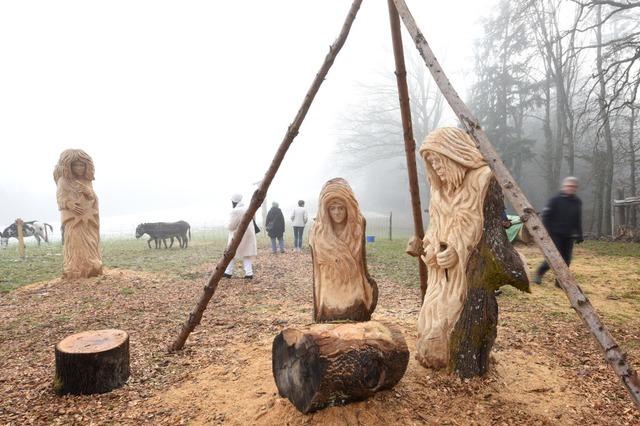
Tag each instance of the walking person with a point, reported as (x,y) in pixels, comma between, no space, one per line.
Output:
(248,247)
(299,219)
(275,227)
(563,219)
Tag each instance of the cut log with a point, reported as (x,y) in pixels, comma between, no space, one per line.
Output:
(95,361)
(326,364)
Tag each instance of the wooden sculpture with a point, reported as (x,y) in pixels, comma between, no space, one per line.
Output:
(468,256)
(325,364)
(342,287)
(78,207)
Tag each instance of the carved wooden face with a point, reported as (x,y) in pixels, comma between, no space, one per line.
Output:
(79,168)
(337,211)
(438,165)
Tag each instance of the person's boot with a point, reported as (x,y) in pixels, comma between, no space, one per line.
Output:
(537,278)
(248,277)
(226,275)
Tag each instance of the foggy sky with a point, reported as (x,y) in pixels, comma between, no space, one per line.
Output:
(181,104)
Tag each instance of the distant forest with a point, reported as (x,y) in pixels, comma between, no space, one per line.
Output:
(555,85)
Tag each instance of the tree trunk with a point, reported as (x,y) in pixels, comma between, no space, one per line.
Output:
(632,168)
(551,178)
(495,263)
(92,362)
(325,364)
(606,127)
(560,122)
(598,186)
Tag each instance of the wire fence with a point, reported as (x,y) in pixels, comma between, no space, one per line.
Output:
(379,227)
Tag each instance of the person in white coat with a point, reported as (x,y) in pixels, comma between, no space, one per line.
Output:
(299,219)
(248,247)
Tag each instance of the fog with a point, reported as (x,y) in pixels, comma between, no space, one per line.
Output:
(182,104)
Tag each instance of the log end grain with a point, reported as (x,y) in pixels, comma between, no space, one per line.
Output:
(94,361)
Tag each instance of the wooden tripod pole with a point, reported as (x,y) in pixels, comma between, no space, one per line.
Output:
(529,216)
(409,141)
(259,195)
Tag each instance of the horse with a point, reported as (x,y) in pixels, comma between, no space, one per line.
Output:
(32,228)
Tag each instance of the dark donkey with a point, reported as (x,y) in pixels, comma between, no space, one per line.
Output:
(160,231)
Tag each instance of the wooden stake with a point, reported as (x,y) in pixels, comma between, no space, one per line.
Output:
(409,141)
(259,195)
(529,216)
(19,225)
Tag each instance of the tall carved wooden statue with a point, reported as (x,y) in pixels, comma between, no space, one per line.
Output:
(342,287)
(78,206)
(468,256)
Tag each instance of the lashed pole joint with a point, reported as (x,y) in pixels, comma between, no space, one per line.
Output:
(578,300)
(259,195)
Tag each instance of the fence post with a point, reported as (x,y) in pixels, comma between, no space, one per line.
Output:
(390,226)
(19,225)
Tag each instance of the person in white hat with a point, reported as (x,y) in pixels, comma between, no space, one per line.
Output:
(248,248)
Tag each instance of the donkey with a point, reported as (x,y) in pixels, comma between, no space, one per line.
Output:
(159,231)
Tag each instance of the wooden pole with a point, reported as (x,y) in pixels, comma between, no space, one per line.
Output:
(259,195)
(20,230)
(529,216)
(409,141)
(390,226)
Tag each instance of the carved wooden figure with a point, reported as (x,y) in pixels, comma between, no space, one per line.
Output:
(78,205)
(468,256)
(342,287)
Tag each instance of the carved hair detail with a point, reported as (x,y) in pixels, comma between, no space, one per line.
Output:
(323,236)
(68,156)
(456,151)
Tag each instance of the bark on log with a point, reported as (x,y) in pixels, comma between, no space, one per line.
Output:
(91,362)
(325,364)
(520,203)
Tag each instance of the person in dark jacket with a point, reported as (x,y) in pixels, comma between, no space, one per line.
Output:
(275,227)
(563,219)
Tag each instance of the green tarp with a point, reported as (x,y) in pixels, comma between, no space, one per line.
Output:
(514,229)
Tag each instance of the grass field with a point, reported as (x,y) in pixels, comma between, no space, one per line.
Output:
(45,262)
(546,367)
(386,258)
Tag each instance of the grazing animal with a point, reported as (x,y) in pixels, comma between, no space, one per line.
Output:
(32,228)
(160,231)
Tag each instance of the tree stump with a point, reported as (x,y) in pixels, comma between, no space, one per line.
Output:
(325,364)
(95,361)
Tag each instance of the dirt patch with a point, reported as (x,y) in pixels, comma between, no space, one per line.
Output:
(546,369)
